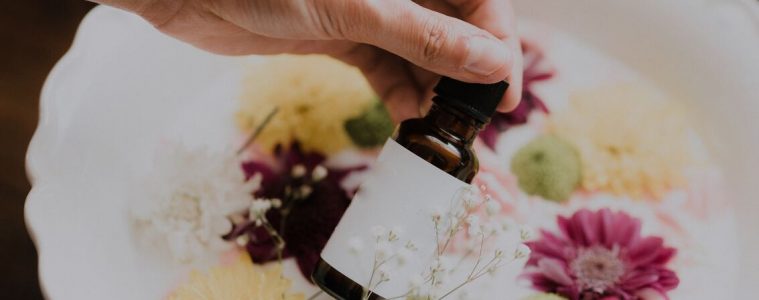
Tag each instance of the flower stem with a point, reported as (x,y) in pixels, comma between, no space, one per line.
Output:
(277,238)
(479,256)
(258,130)
(317,294)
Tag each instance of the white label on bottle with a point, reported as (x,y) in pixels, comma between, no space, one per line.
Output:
(401,194)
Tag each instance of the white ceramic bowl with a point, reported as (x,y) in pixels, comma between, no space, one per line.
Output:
(699,51)
(123,86)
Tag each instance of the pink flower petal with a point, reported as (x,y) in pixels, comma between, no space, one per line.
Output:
(627,229)
(586,226)
(564,227)
(606,222)
(650,294)
(555,270)
(668,280)
(639,280)
(664,256)
(645,251)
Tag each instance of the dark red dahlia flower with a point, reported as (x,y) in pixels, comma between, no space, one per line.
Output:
(601,255)
(312,202)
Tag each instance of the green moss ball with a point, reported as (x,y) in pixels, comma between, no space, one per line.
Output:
(371,128)
(547,167)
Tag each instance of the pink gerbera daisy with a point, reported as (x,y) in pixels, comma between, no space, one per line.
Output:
(601,255)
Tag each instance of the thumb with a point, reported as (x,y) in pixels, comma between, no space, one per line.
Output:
(431,40)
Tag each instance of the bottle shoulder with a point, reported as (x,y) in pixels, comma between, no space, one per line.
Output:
(444,152)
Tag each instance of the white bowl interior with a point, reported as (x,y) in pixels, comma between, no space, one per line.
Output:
(705,53)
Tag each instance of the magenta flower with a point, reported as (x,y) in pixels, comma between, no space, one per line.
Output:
(536,69)
(312,203)
(601,255)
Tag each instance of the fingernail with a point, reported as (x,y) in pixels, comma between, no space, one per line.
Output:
(486,55)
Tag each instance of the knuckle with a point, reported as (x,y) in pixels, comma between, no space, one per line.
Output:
(330,17)
(435,40)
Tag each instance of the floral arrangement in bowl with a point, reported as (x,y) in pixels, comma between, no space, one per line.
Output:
(140,192)
(284,191)
(601,162)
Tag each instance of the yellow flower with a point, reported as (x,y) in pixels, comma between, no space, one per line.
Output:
(240,281)
(315,95)
(631,140)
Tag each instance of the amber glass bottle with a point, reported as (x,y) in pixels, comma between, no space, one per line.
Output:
(444,139)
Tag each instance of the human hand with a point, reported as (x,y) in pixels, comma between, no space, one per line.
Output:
(399,45)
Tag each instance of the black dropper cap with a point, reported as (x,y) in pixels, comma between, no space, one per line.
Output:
(474,99)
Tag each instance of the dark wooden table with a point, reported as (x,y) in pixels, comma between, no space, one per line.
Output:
(34,34)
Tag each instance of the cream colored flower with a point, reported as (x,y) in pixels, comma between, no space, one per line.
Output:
(239,281)
(187,198)
(315,95)
(631,140)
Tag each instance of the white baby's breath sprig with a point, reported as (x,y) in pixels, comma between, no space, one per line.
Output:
(319,173)
(526,233)
(384,250)
(242,240)
(470,216)
(492,206)
(480,233)
(393,235)
(522,251)
(259,208)
(387,249)
(298,171)
(378,231)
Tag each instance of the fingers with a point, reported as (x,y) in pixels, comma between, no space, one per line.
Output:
(514,93)
(436,42)
(485,52)
(452,47)
(498,18)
